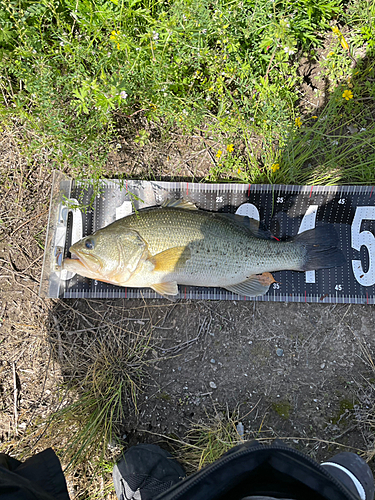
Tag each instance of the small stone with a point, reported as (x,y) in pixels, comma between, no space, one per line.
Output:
(280,352)
(322,366)
(240,429)
(212,361)
(213,385)
(352,130)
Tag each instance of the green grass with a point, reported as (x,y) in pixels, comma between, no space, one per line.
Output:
(107,377)
(72,71)
(338,145)
(106,374)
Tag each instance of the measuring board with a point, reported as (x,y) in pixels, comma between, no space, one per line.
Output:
(284,210)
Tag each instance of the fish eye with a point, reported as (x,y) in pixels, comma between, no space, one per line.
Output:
(89,244)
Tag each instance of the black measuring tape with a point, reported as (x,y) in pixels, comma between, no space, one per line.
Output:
(285,210)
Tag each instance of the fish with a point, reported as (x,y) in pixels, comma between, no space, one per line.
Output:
(179,244)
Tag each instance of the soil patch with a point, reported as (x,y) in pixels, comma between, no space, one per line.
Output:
(299,371)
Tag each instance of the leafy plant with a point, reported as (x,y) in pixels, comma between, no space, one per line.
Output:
(69,68)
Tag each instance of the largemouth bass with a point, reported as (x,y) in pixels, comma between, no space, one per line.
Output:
(179,244)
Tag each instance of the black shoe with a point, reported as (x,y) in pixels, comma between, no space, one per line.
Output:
(353,472)
(144,472)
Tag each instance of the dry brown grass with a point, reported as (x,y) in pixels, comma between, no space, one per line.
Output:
(29,373)
(60,363)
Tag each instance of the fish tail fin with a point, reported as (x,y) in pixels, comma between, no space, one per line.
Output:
(321,248)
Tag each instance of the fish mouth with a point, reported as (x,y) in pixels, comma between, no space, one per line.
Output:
(89,262)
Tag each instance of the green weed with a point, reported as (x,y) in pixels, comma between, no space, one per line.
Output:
(71,69)
(338,145)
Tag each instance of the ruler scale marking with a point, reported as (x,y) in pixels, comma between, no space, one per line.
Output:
(261,197)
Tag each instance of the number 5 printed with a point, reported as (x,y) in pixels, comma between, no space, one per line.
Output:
(367,239)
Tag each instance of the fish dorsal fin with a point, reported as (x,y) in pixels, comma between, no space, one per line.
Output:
(168,288)
(170,259)
(252,225)
(257,284)
(181,203)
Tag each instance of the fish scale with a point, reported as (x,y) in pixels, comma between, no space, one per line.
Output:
(163,247)
(222,251)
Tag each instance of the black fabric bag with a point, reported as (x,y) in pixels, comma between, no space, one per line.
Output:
(253,469)
(146,468)
(38,478)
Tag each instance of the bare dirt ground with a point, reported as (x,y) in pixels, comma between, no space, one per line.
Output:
(297,371)
(292,370)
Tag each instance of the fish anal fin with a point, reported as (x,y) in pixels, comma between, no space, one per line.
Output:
(255,285)
(181,203)
(168,288)
(266,279)
(170,259)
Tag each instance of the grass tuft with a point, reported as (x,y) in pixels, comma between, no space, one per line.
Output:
(206,442)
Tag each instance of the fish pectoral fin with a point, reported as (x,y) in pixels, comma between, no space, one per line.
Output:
(181,203)
(168,288)
(168,260)
(257,284)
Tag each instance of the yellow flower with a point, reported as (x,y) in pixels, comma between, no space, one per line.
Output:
(114,35)
(298,121)
(315,117)
(330,54)
(344,43)
(347,94)
(230,148)
(219,153)
(239,171)
(340,36)
(275,167)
